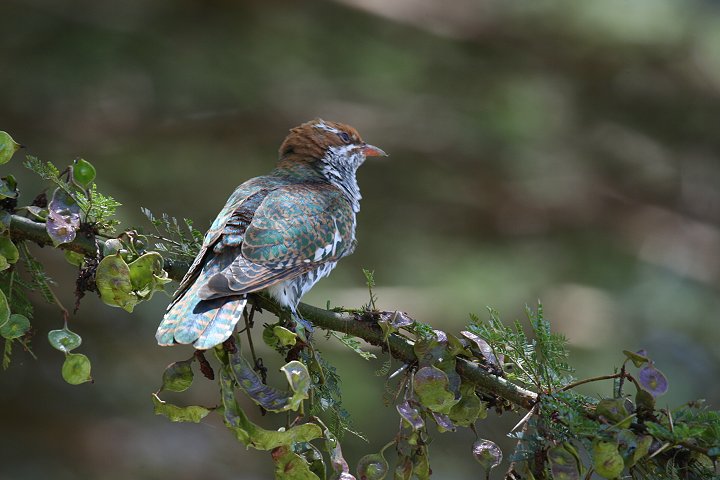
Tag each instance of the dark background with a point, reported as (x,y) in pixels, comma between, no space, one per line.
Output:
(566,151)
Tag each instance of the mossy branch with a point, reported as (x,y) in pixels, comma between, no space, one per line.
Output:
(359,325)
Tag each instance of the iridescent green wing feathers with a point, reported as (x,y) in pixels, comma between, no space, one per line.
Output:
(294,229)
(299,225)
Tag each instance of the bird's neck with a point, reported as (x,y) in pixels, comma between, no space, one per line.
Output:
(299,171)
(343,177)
(338,173)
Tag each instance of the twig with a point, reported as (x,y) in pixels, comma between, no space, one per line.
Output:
(594,379)
(165,239)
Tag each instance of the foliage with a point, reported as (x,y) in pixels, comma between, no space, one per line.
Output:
(564,435)
(98,209)
(539,362)
(176,240)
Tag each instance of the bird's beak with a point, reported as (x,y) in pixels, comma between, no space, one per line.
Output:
(372,151)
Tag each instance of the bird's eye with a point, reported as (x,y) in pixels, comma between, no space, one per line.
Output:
(344,137)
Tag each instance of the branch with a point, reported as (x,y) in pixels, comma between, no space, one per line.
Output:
(22,228)
(360,326)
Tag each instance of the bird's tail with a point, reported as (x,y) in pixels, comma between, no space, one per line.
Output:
(204,323)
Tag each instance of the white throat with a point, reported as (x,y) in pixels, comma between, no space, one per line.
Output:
(339,167)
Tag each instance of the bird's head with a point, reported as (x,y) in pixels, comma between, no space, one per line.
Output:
(326,151)
(326,145)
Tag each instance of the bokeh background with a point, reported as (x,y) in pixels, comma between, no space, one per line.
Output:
(563,151)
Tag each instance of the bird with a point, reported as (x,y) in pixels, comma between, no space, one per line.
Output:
(278,233)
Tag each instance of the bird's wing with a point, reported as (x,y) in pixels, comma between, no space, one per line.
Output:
(223,225)
(294,229)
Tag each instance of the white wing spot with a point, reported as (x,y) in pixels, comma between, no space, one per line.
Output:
(337,238)
(319,254)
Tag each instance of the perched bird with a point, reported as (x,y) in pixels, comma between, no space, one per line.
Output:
(280,233)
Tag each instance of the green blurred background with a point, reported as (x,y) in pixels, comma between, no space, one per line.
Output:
(567,151)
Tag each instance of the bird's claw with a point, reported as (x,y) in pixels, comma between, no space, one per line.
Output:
(303,328)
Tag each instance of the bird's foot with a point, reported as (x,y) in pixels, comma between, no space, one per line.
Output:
(303,328)
(292,320)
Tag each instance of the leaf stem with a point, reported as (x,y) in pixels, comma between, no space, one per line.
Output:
(622,374)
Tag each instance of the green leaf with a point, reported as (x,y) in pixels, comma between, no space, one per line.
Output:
(487,454)
(193,413)
(112,279)
(291,466)
(639,447)
(269,337)
(638,358)
(430,350)
(411,415)
(9,250)
(83,173)
(178,376)
(270,398)
(313,457)
(616,410)
(483,347)
(645,402)
(254,436)
(8,187)
(468,409)
(563,464)
(444,424)
(8,147)
(147,275)
(4,309)
(5,219)
(112,246)
(421,464)
(431,385)
(64,340)
(37,212)
(76,369)
(286,338)
(642,449)
(74,258)
(142,269)
(339,465)
(299,380)
(15,327)
(63,218)
(606,459)
(372,467)
(659,431)
(404,469)
(394,322)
